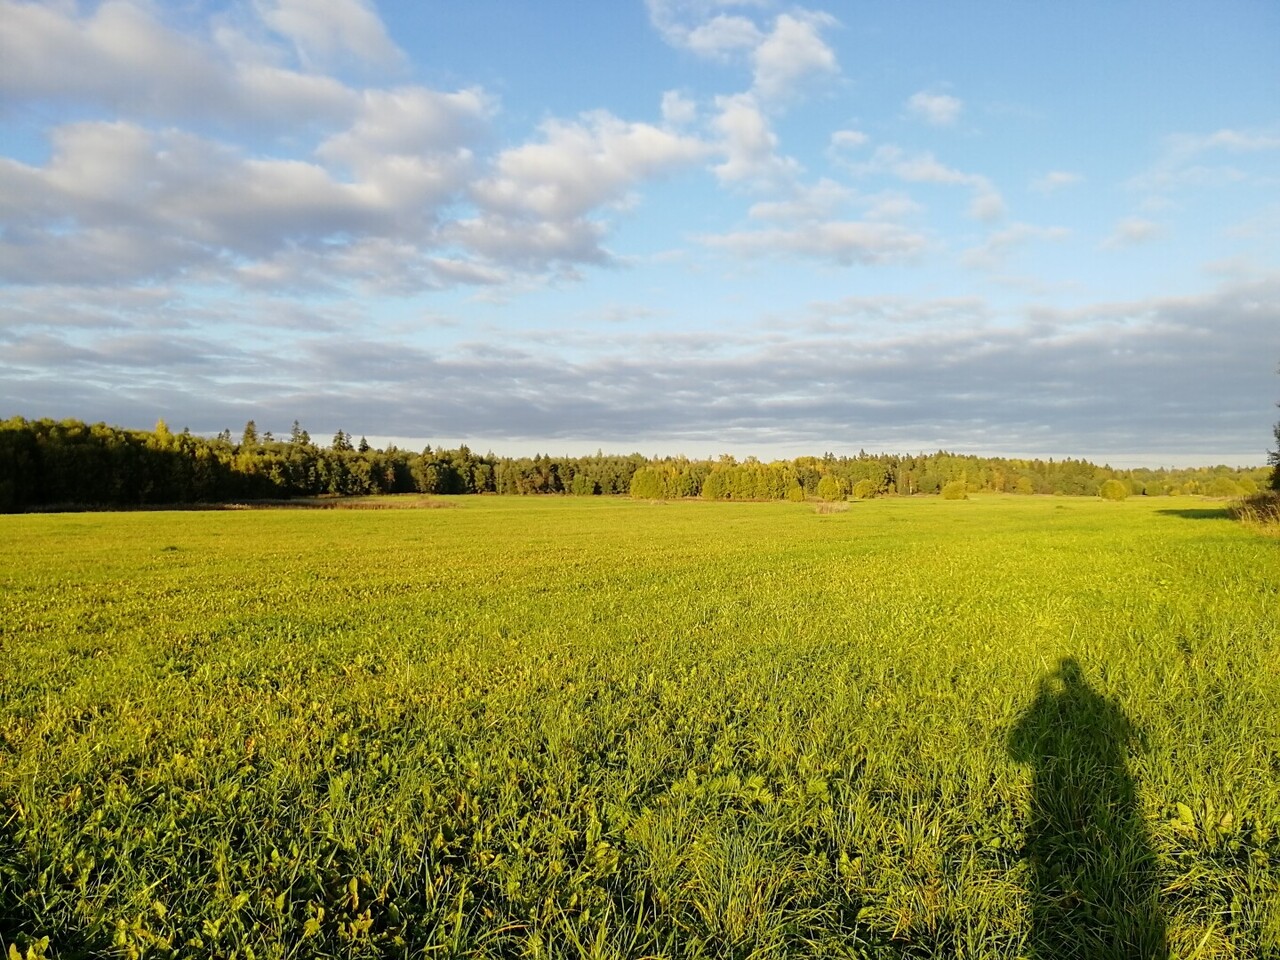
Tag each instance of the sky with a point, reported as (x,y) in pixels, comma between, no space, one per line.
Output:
(675,227)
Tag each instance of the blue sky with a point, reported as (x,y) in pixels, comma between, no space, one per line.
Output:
(681,226)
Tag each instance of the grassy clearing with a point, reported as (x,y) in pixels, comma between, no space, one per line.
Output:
(1000,727)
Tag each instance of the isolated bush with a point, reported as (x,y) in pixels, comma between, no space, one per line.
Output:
(1224,487)
(646,484)
(830,488)
(865,489)
(955,490)
(796,493)
(1113,490)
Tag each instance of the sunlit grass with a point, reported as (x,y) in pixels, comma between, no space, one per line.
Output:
(607,728)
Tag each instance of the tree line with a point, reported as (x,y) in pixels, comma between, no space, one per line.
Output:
(47,463)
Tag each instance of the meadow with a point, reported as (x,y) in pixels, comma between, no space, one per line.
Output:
(594,727)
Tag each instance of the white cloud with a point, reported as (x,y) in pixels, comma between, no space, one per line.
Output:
(120,54)
(986,204)
(286,98)
(581,165)
(749,145)
(677,109)
(123,57)
(117,201)
(816,202)
(1197,161)
(936,109)
(889,205)
(860,311)
(919,167)
(1235,141)
(384,188)
(385,203)
(325,31)
(410,121)
(848,139)
(373,265)
(842,242)
(412,146)
(783,56)
(999,245)
(809,216)
(530,245)
(792,53)
(721,35)
(1132,231)
(1055,180)
(678,20)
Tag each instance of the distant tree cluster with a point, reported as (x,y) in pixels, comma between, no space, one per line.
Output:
(47,463)
(951,475)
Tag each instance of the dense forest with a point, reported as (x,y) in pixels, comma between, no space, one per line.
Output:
(46,463)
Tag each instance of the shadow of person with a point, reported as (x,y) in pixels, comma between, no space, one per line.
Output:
(1095,892)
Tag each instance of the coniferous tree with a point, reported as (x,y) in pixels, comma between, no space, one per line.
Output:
(1273,458)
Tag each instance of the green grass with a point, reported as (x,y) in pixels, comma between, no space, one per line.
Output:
(1003,727)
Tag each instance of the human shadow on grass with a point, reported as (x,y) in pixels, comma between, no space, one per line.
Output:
(1094,886)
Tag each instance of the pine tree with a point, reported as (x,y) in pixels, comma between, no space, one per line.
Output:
(1273,458)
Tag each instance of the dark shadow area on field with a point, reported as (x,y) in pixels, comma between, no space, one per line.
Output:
(1198,513)
(374,502)
(1094,888)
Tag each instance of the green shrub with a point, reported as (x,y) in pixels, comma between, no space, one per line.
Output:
(796,493)
(1113,490)
(1224,487)
(584,486)
(646,484)
(830,488)
(865,489)
(955,490)
(714,486)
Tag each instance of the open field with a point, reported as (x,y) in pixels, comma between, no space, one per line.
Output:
(1005,727)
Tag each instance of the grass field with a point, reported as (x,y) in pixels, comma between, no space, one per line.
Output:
(1005,727)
